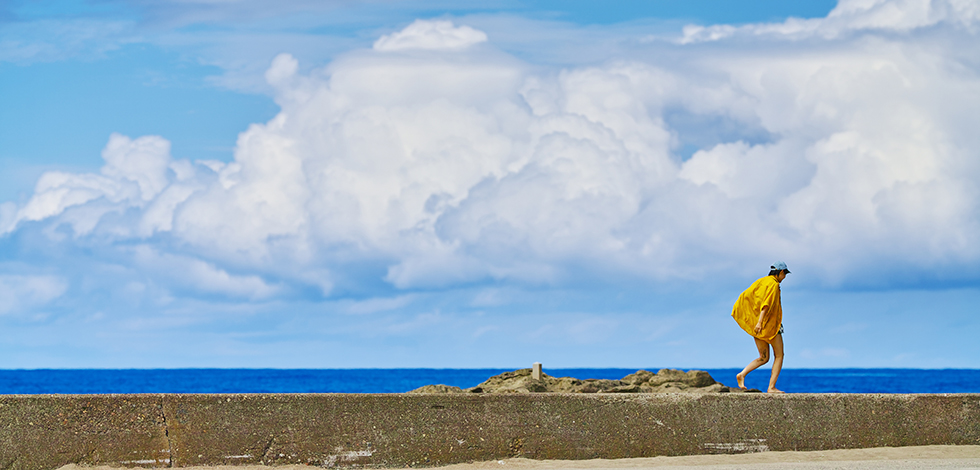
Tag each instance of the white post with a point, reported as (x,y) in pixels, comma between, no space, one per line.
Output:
(536,371)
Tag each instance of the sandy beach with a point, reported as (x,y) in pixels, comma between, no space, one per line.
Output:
(921,457)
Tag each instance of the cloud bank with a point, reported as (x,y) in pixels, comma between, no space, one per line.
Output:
(435,160)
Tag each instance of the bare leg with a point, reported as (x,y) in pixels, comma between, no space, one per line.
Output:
(763,358)
(777,363)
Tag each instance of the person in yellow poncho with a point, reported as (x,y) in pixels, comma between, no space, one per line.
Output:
(759,312)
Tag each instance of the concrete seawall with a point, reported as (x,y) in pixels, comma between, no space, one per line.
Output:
(395,430)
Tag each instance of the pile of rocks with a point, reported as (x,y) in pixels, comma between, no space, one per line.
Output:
(522,381)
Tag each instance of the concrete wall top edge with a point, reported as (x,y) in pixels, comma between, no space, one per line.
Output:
(516,395)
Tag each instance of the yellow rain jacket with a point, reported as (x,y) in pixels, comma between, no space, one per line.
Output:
(746,311)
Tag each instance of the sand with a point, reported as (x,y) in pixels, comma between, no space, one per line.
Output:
(923,457)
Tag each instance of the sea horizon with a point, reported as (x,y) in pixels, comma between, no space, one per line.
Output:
(400,380)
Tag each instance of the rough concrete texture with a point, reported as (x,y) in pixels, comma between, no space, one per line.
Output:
(48,431)
(396,430)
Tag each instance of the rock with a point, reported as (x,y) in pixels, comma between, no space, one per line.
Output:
(518,381)
(630,388)
(700,378)
(566,385)
(641,381)
(713,388)
(639,377)
(691,378)
(664,376)
(438,388)
(598,385)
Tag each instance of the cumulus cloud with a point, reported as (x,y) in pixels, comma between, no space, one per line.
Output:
(465,165)
(138,174)
(431,35)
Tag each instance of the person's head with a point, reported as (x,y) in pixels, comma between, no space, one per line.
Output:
(779,271)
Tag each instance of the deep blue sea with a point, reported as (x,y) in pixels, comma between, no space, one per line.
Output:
(402,380)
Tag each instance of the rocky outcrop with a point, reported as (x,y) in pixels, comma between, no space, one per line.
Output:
(437,388)
(642,381)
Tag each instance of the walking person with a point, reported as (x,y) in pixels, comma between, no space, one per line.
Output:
(759,312)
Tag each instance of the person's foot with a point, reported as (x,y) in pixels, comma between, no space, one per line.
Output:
(775,390)
(741,381)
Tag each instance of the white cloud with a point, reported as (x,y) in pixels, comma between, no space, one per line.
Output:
(8,214)
(431,35)
(283,68)
(196,275)
(903,15)
(144,161)
(462,165)
(48,40)
(138,174)
(20,293)
(375,305)
(850,16)
(57,191)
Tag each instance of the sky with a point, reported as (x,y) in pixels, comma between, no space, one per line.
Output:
(433,183)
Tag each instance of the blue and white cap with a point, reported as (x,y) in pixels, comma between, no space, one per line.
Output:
(779,265)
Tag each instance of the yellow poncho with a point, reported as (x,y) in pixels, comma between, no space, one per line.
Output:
(746,311)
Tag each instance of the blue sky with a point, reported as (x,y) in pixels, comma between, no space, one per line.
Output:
(486,184)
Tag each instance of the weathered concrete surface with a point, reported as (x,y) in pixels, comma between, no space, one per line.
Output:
(48,431)
(45,432)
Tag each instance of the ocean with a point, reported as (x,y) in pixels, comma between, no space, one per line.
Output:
(100,381)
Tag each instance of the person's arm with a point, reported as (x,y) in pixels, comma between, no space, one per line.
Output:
(762,319)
